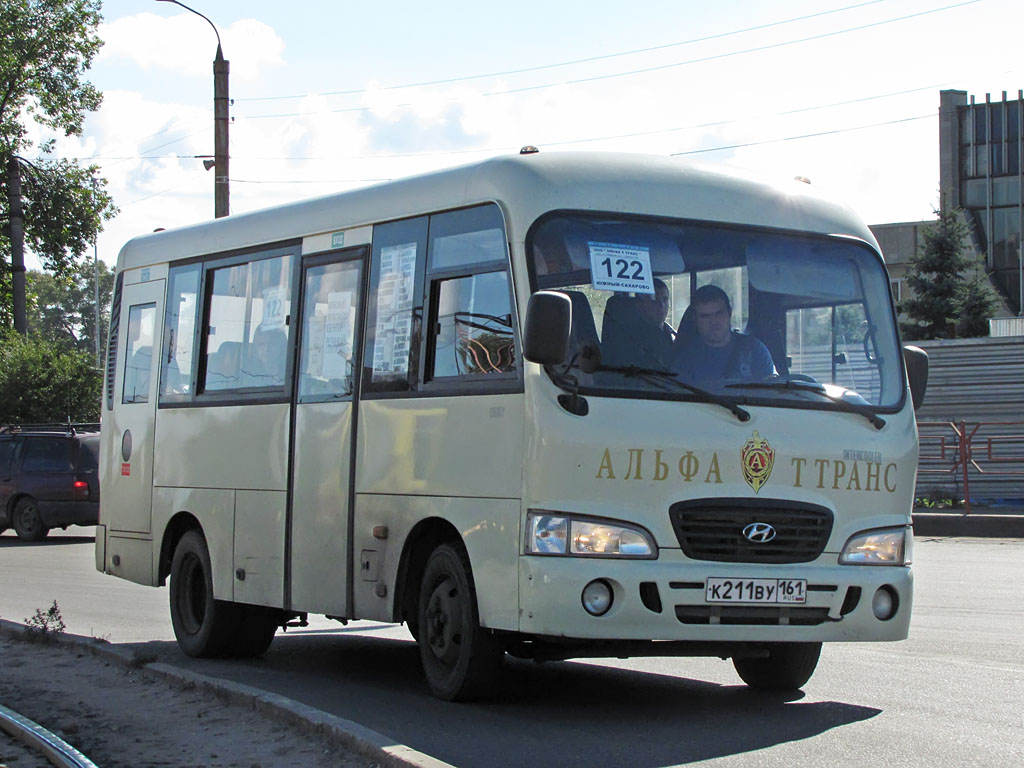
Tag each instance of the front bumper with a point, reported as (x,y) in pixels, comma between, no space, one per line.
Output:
(837,607)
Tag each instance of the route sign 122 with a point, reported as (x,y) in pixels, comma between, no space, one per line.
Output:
(620,267)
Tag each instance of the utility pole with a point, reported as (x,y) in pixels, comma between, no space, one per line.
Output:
(221,102)
(221,190)
(17,231)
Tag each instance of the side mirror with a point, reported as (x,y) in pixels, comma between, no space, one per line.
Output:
(546,333)
(916,360)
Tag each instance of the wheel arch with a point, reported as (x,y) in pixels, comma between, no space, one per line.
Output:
(424,537)
(177,526)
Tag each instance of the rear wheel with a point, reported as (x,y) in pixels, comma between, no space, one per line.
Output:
(787,667)
(461,660)
(203,626)
(28,523)
(256,629)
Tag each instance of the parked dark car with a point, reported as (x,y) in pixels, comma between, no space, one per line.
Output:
(48,479)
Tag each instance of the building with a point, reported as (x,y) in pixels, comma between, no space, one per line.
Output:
(981,170)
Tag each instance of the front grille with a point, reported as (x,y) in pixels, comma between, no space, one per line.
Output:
(751,614)
(712,529)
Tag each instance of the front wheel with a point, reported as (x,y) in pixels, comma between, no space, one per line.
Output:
(28,522)
(203,626)
(460,659)
(787,667)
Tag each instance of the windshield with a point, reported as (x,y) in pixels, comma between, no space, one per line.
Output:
(740,312)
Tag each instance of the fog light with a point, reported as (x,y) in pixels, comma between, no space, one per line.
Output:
(884,603)
(597,597)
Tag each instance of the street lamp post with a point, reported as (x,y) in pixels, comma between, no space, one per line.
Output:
(221,70)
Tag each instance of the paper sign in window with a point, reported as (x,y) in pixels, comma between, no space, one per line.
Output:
(620,267)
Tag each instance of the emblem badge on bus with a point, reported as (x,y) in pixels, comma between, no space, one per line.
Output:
(759,533)
(757,458)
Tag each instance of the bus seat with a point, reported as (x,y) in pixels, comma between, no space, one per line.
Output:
(619,330)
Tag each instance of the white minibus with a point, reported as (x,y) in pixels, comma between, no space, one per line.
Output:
(550,405)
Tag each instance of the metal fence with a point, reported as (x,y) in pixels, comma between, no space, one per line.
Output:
(969,462)
(972,435)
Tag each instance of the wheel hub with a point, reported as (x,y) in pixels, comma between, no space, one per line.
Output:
(443,622)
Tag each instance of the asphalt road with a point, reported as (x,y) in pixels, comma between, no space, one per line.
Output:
(950,695)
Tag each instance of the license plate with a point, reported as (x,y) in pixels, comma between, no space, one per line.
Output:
(724,590)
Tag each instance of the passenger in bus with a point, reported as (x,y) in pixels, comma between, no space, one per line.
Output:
(634,331)
(224,366)
(709,350)
(266,363)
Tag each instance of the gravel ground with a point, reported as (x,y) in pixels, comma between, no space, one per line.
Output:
(120,715)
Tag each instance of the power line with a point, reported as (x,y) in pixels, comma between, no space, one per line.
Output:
(644,70)
(611,137)
(802,136)
(464,78)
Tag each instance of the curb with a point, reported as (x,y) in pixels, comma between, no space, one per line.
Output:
(346,733)
(958,524)
(57,751)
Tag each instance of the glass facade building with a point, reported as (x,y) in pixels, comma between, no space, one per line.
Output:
(982,171)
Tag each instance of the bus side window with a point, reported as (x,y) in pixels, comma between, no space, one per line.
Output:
(472,331)
(247,325)
(179,333)
(139,353)
(395,308)
(471,323)
(328,336)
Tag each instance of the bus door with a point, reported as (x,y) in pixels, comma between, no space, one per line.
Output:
(321,503)
(134,408)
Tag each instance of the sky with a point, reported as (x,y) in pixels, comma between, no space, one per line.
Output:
(329,96)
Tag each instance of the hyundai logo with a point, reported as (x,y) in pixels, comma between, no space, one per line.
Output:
(759,533)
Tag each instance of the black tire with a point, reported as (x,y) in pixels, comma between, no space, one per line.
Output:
(255,632)
(28,523)
(203,626)
(787,667)
(460,659)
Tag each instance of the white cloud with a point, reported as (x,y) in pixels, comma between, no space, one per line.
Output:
(184,44)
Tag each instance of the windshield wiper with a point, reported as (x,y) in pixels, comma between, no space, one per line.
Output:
(818,389)
(668,377)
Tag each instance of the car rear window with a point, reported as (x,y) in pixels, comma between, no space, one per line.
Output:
(89,454)
(47,454)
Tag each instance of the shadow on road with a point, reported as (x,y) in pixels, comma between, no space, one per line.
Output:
(53,540)
(554,714)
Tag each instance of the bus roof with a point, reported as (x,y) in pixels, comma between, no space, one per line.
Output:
(526,187)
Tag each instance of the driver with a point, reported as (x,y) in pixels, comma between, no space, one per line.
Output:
(716,351)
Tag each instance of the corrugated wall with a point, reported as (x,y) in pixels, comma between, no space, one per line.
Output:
(975,381)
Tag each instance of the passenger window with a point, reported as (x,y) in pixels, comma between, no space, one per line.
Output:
(139,353)
(179,332)
(471,308)
(393,330)
(44,454)
(473,332)
(326,364)
(471,236)
(247,331)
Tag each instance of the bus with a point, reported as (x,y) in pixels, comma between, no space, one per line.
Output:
(548,405)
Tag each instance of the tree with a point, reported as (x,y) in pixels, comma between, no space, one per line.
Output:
(45,48)
(977,304)
(64,309)
(43,382)
(942,301)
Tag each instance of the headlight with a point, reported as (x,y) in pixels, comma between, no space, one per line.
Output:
(892,546)
(550,533)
